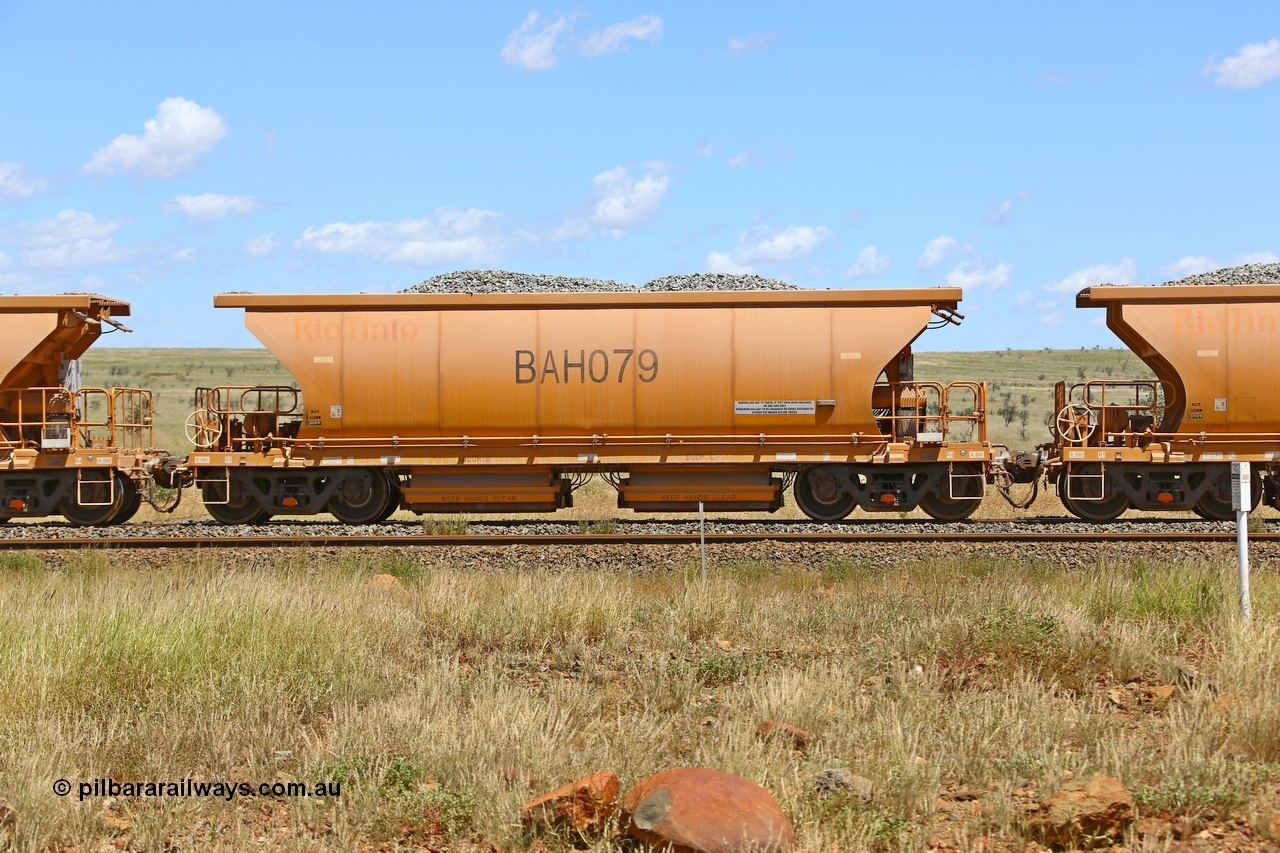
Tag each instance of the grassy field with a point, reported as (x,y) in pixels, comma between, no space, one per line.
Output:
(962,688)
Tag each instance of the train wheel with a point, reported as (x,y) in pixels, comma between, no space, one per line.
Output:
(821,496)
(241,508)
(940,504)
(1215,504)
(1085,505)
(131,504)
(362,498)
(102,499)
(393,497)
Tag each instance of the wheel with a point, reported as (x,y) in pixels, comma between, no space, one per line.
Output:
(393,497)
(131,504)
(94,501)
(1085,505)
(1215,503)
(242,508)
(203,428)
(362,497)
(1075,423)
(821,496)
(941,505)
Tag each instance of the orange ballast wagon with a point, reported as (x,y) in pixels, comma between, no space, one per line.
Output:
(508,402)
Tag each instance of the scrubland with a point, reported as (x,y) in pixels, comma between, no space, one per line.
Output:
(446,699)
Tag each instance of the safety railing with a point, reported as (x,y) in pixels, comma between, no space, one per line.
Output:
(1113,412)
(244,417)
(53,418)
(931,412)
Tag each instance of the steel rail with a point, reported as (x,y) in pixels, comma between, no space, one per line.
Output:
(644,539)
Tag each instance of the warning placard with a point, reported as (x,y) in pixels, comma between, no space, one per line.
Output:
(774,407)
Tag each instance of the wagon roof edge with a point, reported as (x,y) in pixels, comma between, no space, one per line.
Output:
(945,296)
(58,301)
(1102,294)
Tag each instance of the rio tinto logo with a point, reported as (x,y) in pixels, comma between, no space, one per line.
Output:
(315,329)
(1241,319)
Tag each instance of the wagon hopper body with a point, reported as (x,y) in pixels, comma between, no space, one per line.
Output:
(1167,443)
(505,403)
(84,453)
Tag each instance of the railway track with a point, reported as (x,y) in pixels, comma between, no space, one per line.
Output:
(637,533)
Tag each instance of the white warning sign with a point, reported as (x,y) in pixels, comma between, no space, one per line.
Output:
(774,407)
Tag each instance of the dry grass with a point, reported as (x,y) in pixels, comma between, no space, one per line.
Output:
(418,698)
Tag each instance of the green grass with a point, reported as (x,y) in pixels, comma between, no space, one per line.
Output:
(995,674)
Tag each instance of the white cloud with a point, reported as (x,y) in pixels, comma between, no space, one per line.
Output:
(1254,65)
(623,201)
(209,206)
(750,43)
(74,255)
(1051,318)
(1001,212)
(614,38)
(533,45)
(737,161)
(66,226)
(1258,258)
(450,236)
(1122,273)
(936,252)
(170,144)
(972,275)
(871,262)
(262,246)
(761,244)
(706,149)
(1048,78)
(723,262)
(1189,265)
(68,240)
(14,182)
(183,256)
(617,201)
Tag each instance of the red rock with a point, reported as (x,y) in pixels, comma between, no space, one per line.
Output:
(798,737)
(582,806)
(1273,827)
(1085,812)
(700,810)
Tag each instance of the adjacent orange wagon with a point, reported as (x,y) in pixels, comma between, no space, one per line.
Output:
(1167,443)
(508,402)
(83,453)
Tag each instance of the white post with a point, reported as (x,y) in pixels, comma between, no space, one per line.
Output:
(1242,501)
(702,539)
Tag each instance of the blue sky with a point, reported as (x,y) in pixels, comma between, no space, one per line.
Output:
(164,152)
